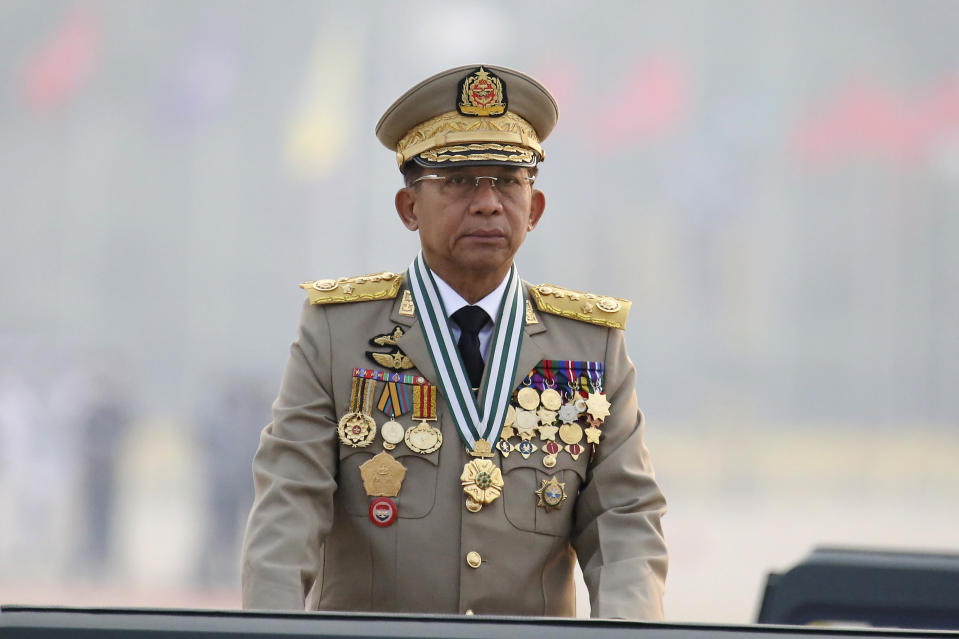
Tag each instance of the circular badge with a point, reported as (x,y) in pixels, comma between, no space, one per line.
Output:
(393,432)
(325,285)
(383,511)
(551,399)
(528,398)
(423,438)
(570,433)
(549,460)
(608,304)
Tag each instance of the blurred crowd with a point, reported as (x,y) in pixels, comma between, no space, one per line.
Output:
(86,470)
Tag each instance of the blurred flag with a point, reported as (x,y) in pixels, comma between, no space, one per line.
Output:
(322,123)
(64,61)
(865,120)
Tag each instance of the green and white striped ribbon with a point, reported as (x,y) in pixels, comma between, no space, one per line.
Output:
(474,420)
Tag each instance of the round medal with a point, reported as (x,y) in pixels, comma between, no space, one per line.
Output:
(528,398)
(526,423)
(423,438)
(549,460)
(383,511)
(356,430)
(570,433)
(551,399)
(393,433)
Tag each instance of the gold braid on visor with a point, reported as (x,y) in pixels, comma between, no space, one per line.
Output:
(509,133)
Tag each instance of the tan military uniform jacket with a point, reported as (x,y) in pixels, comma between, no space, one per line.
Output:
(309,529)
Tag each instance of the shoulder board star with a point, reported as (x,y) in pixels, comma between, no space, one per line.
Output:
(362,288)
(585,307)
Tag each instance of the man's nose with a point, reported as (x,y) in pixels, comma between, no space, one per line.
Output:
(486,199)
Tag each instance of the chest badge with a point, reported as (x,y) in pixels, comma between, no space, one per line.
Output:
(395,359)
(551,494)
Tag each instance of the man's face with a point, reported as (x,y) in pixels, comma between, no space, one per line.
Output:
(468,230)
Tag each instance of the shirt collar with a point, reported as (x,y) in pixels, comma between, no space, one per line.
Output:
(453,301)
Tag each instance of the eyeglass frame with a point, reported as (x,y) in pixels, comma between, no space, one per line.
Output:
(528,179)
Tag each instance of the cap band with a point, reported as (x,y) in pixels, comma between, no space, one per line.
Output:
(452,137)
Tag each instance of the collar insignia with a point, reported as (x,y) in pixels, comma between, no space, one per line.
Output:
(482,94)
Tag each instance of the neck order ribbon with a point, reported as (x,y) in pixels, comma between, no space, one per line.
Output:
(482,418)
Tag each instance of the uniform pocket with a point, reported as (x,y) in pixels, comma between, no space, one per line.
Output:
(523,477)
(417,494)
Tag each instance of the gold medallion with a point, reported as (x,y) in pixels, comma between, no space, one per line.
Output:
(570,433)
(551,399)
(598,405)
(526,423)
(507,432)
(548,433)
(382,476)
(482,482)
(393,433)
(551,494)
(510,417)
(546,417)
(549,460)
(423,438)
(528,398)
(592,435)
(356,429)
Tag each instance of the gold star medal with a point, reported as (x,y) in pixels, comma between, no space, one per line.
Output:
(526,423)
(546,416)
(592,435)
(551,494)
(482,482)
(548,433)
(597,405)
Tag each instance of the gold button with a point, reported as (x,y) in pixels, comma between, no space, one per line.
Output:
(473,559)
(469,612)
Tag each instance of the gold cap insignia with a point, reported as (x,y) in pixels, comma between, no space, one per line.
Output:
(482,94)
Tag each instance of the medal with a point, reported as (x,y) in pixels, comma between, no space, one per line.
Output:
(526,448)
(551,449)
(574,450)
(592,435)
(504,447)
(568,413)
(527,398)
(548,433)
(393,433)
(551,494)
(423,438)
(526,423)
(383,511)
(551,399)
(482,449)
(570,433)
(357,428)
(598,405)
(546,417)
(382,476)
(482,482)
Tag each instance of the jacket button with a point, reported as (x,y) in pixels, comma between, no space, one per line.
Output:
(469,612)
(473,559)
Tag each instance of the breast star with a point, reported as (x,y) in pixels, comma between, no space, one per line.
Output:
(592,435)
(546,416)
(548,433)
(597,405)
(526,423)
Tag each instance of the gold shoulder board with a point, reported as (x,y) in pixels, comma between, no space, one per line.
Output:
(363,288)
(585,307)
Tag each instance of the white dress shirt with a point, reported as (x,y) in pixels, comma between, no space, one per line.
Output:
(453,301)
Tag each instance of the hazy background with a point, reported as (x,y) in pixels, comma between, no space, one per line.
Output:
(773,184)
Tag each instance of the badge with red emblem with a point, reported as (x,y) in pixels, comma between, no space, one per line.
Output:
(482,93)
(383,511)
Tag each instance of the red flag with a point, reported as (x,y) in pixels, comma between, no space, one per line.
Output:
(63,62)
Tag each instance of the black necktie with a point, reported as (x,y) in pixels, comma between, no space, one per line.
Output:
(471,319)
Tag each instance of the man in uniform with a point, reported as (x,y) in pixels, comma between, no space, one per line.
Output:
(452,439)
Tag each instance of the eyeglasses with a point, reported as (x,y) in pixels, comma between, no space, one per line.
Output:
(511,187)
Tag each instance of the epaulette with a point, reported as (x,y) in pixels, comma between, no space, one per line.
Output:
(585,307)
(363,288)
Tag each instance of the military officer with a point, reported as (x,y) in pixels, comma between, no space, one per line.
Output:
(451,439)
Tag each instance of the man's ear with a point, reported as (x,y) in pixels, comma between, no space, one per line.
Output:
(404,201)
(536,207)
